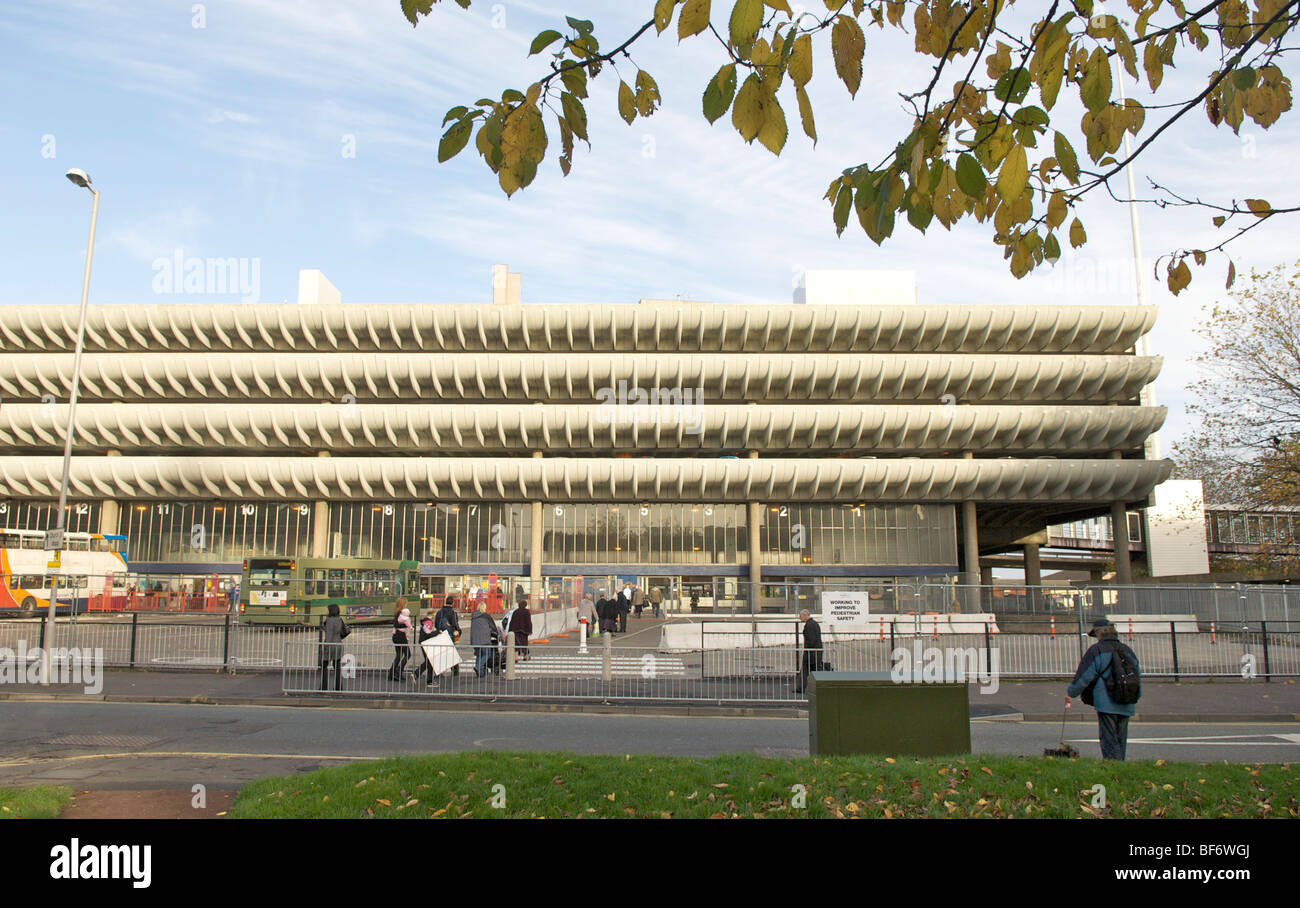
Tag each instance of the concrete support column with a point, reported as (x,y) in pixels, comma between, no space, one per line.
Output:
(1119,529)
(1033,574)
(1119,535)
(320,529)
(109,510)
(320,524)
(535,553)
(970,543)
(754,515)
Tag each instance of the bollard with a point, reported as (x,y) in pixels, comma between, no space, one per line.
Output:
(935,626)
(607,658)
(582,635)
(135,623)
(1053,627)
(1213,634)
(882,630)
(1130,630)
(510,656)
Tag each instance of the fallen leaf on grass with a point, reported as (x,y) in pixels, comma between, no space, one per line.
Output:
(986,769)
(384,801)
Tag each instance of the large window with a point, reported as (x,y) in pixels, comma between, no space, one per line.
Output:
(213,532)
(438,532)
(81,517)
(643,534)
(868,534)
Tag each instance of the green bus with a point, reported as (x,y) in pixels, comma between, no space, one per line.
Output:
(299,591)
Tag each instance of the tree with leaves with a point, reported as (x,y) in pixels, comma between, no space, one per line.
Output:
(1248,398)
(989,147)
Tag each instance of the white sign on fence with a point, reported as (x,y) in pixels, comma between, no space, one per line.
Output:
(845,608)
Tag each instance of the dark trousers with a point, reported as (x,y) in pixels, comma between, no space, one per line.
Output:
(622,622)
(1113,731)
(399,661)
(325,664)
(811,662)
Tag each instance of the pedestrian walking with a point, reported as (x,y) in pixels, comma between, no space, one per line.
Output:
(484,637)
(1115,698)
(521,625)
(624,606)
(656,599)
(428,629)
(811,660)
(587,610)
(607,612)
(401,642)
(447,620)
(638,600)
(334,631)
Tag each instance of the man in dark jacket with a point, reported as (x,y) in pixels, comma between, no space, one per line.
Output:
(1089,681)
(812,650)
(333,632)
(484,637)
(447,620)
(606,612)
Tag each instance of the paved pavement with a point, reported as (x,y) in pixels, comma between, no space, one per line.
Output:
(1162,701)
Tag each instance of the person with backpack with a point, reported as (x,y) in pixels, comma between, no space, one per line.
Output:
(333,631)
(1115,666)
(485,637)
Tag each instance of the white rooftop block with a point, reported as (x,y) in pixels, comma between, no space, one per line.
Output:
(314,289)
(857,288)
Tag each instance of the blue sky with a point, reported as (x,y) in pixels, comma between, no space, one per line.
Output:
(229,141)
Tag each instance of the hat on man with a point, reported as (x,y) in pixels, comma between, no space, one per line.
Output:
(1100,622)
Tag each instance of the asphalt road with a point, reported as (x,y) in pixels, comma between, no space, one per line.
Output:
(129,745)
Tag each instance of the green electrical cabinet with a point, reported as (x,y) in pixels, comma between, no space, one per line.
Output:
(870,713)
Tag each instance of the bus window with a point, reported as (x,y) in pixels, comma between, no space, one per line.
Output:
(10,541)
(101,545)
(336,582)
(316,588)
(76,545)
(33,542)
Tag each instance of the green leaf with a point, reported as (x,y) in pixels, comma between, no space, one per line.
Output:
(780,5)
(544,40)
(746,20)
(717,97)
(1078,236)
(581,26)
(970,177)
(1066,157)
(848,47)
(1244,78)
(774,133)
(647,94)
(575,114)
(626,102)
(843,205)
(575,80)
(1014,175)
(454,140)
(806,113)
(747,113)
(693,19)
(664,14)
(801,60)
(455,114)
(1051,249)
(1013,86)
(1095,87)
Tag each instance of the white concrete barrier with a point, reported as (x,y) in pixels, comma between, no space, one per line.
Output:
(768,630)
(1154,624)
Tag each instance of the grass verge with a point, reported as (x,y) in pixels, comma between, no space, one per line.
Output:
(41,803)
(523,785)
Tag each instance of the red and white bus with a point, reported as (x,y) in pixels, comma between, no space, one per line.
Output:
(88,564)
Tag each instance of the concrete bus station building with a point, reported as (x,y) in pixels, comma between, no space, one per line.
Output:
(694,446)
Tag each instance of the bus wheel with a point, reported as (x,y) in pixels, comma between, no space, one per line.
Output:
(29,607)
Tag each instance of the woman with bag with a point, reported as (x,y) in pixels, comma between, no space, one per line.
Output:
(522,626)
(333,632)
(401,641)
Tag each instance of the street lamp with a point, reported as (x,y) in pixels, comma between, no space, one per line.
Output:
(82,179)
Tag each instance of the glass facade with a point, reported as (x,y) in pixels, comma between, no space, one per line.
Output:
(195,532)
(82,516)
(818,534)
(438,533)
(644,534)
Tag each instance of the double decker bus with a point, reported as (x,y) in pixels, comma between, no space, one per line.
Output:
(88,566)
(299,591)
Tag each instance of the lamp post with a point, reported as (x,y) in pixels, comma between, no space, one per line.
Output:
(78,178)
